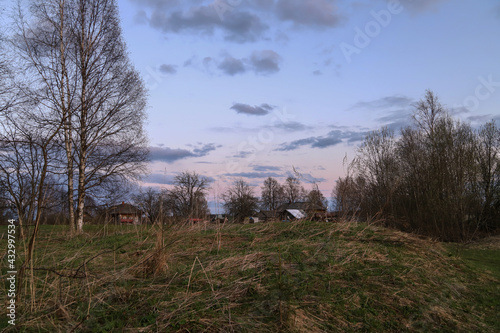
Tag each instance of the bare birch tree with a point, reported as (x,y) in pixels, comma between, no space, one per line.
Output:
(109,141)
(46,47)
(82,74)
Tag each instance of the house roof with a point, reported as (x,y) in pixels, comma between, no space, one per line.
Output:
(306,206)
(124,208)
(297,213)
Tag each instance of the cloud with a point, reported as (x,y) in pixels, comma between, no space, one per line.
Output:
(332,138)
(296,144)
(265,62)
(236,23)
(396,120)
(260,62)
(261,110)
(484,118)
(251,21)
(394,116)
(316,13)
(308,178)
(254,175)
(305,177)
(237,26)
(243,27)
(324,142)
(243,154)
(261,4)
(158,4)
(232,66)
(394,112)
(384,103)
(457,110)
(353,137)
(168,69)
(292,126)
(264,168)
(170,155)
(205,149)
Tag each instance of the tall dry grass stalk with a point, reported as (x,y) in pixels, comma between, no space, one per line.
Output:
(155,261)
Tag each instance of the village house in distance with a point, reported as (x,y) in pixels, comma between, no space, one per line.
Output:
(293,211)
(125,213)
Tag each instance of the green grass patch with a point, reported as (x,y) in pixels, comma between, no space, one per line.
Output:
(484,257)
(265,277)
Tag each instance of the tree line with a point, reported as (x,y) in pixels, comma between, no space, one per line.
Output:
(440,177)
(239,200)
(188,198)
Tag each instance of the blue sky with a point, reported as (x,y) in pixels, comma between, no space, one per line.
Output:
(255,88)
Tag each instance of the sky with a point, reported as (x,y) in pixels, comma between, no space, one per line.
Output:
(257,88)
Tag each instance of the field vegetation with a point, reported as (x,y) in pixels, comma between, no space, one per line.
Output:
(265,277)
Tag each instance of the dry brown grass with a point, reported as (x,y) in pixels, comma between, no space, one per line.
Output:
(298,277)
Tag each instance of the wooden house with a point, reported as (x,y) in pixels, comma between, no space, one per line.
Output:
(125,214)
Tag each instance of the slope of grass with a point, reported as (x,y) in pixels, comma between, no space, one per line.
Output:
(484,257)
(290,277)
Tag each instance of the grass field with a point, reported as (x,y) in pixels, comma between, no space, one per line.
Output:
(288,277)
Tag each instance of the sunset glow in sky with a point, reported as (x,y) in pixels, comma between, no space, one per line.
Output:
(255,88)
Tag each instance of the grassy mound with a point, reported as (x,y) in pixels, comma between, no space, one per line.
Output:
(290,277)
